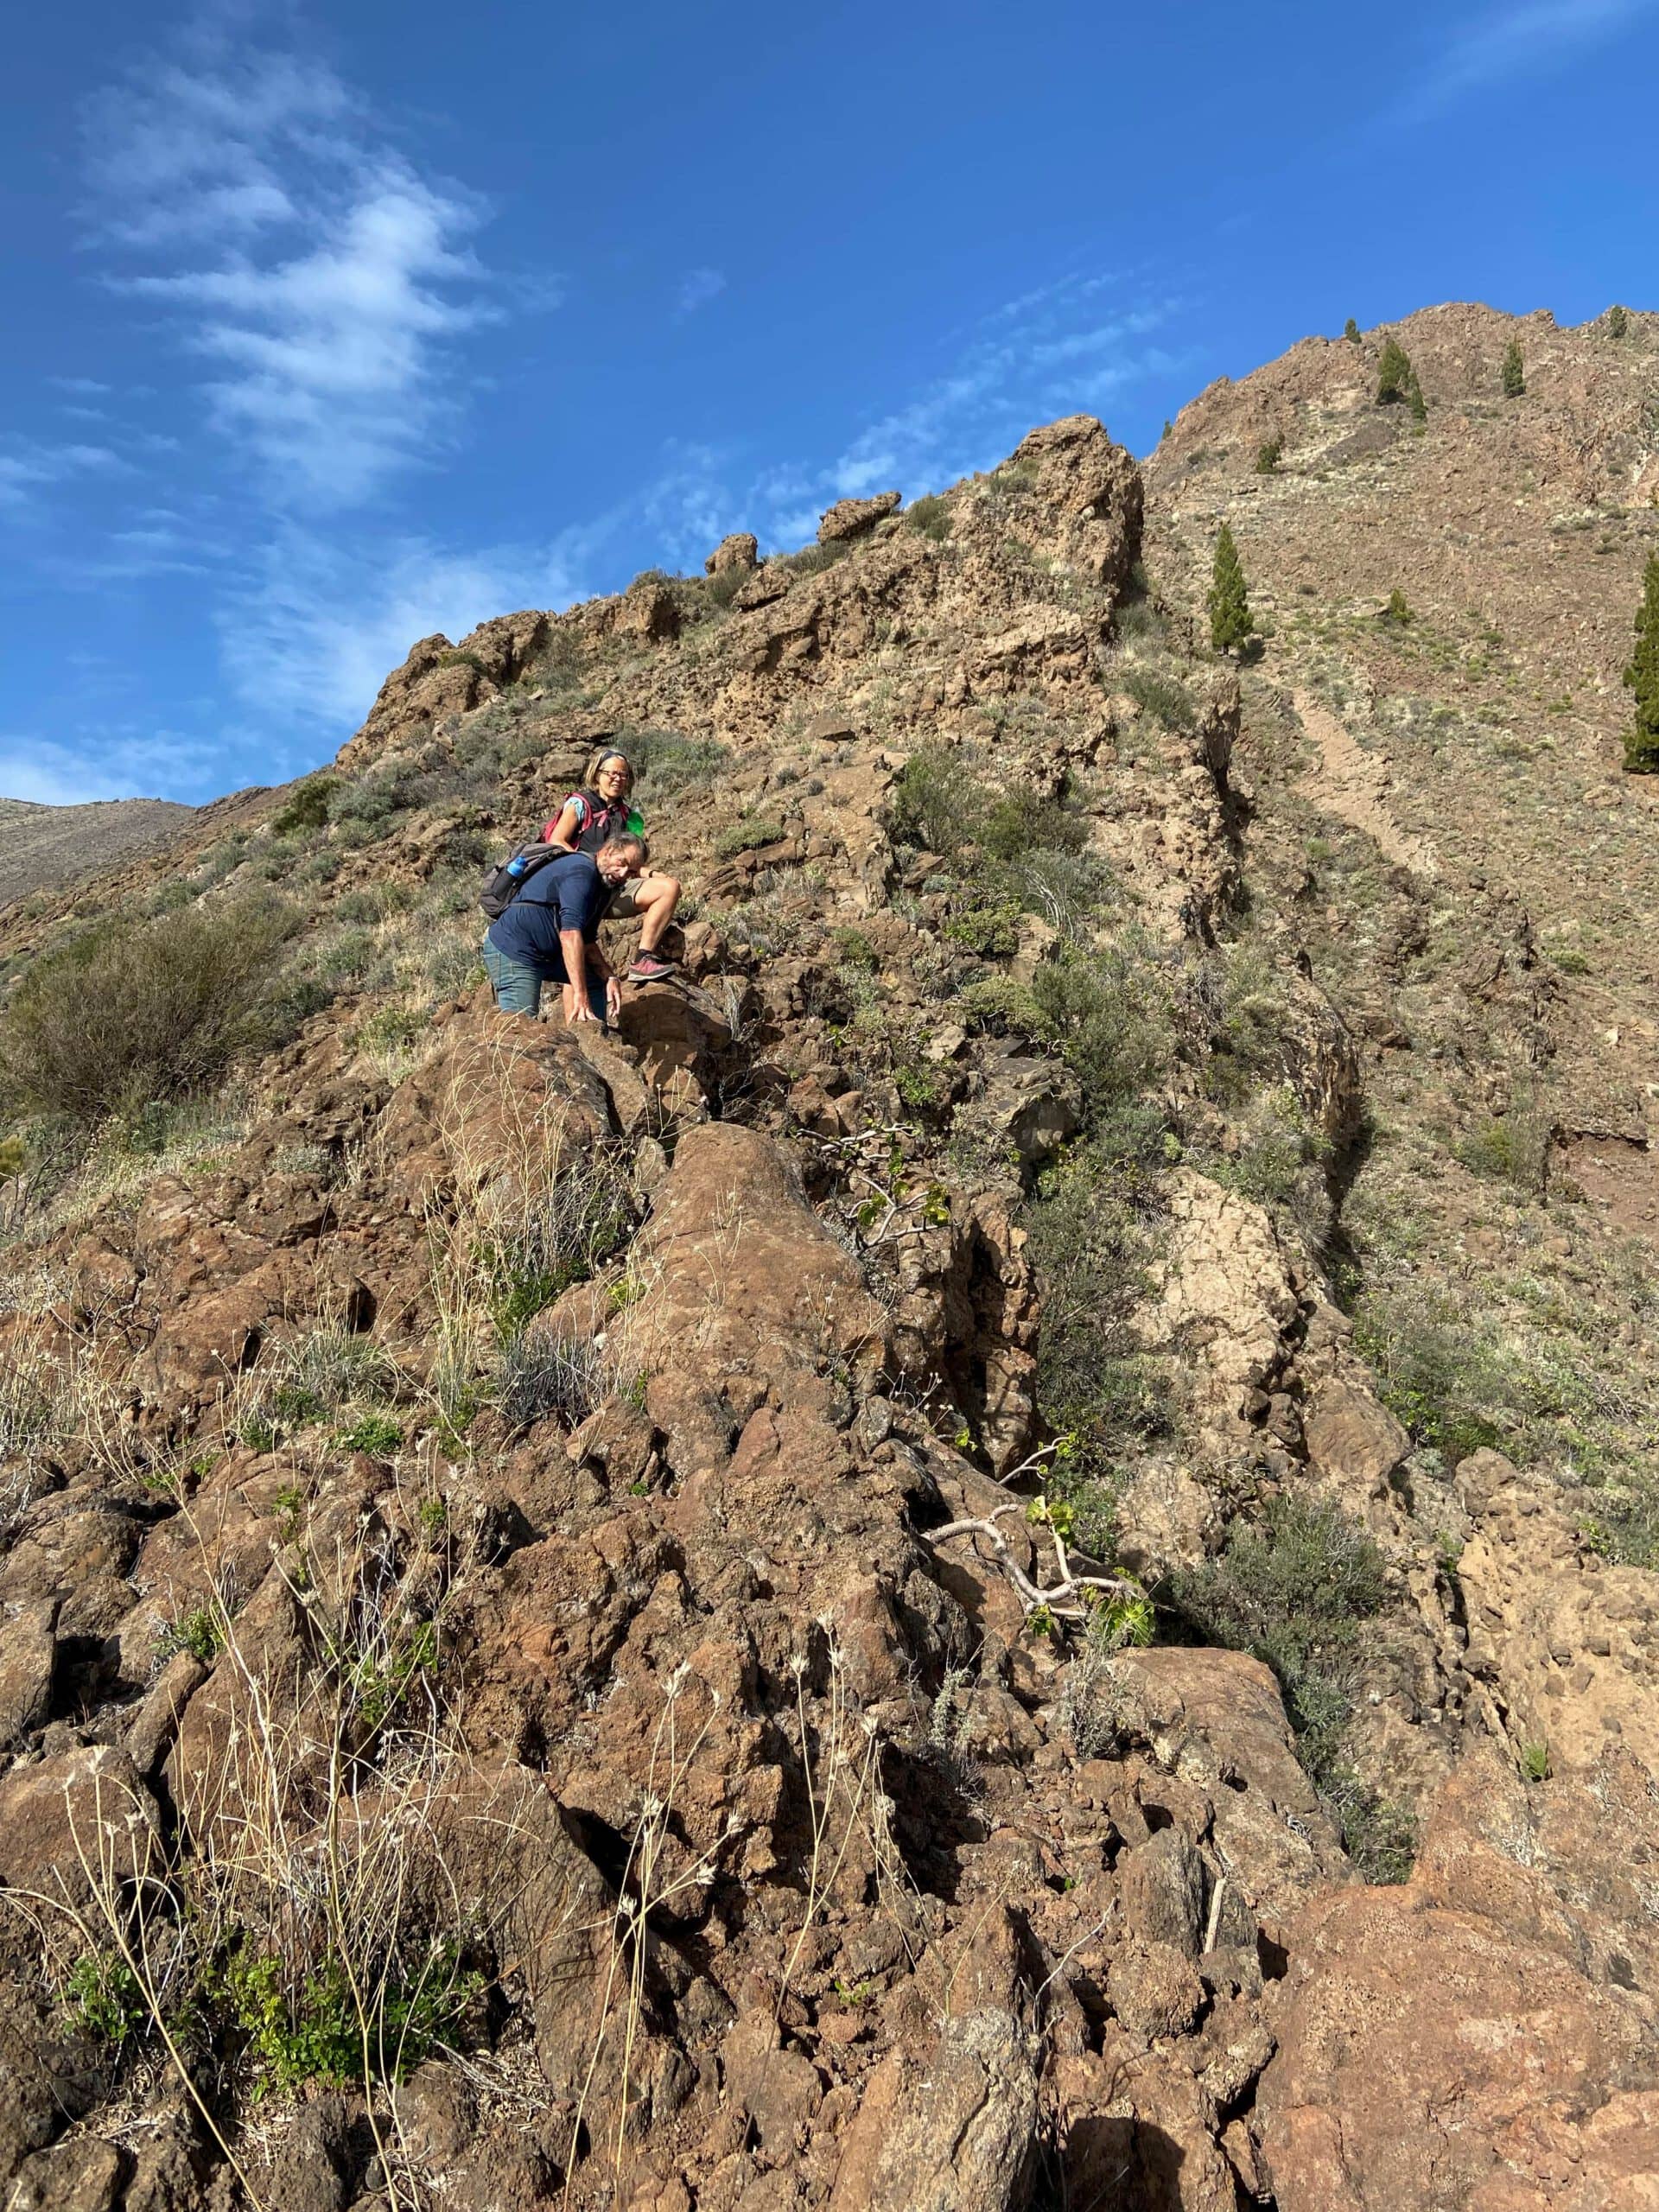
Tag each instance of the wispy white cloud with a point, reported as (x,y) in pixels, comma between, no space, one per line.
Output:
(312,636)
(1049,353)
(28,466)
(1514,41)
(315,269)
(118,763)
(89,385)
(698,287)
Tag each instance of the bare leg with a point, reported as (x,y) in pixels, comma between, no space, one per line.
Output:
(655,898)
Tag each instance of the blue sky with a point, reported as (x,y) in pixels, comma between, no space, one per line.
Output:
(330,326)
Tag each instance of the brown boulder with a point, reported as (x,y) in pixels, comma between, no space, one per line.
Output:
(741,550)
(74,1823)
(852,517)
(81,2175)
(28,1651)
(832,726)
(1215,1719)
(743,1278)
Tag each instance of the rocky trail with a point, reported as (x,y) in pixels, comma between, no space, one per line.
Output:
(866,1592)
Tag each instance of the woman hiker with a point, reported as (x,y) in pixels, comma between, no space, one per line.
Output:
(599,811)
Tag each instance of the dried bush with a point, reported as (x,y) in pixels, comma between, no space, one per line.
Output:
(132,1011)
(929,517)
(545,1377)
(1162,697)
(668,763)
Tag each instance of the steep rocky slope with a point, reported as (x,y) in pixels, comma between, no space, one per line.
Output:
(823,1601)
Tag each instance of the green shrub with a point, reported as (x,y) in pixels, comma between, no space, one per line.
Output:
(991,930)
(348,957)
(1448,1382)
(324,2029)
(322,1370)
(1013,478)
(534,1252)
(1350,331)
(375,1433)
(937,804)
(390,1027)
(1023,848)
(200,1632)
(131,1011)
(1392,373)
(1280,1163)
(1107,1014)
(1514,374)
(103,1993)
(1513,1148)
(1017,822)
(1397,611)
(310,807)
(1617,323)
(929,517)
(854,950)
(546,1377)
(1269,454)
(1091,1244)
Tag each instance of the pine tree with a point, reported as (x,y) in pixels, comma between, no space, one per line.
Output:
(1350,331)
(1268,453)
(1642,742)
(1415,399)
(1392,373)
(1515,372)
(1617,323)
(1231,624)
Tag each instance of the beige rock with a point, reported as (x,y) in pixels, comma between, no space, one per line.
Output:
(952,2130)
(1350,1439)
(1224,1299)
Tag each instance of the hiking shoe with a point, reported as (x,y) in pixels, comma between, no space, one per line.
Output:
(649,968)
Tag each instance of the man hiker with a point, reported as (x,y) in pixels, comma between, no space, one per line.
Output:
(587,818)
(549,934)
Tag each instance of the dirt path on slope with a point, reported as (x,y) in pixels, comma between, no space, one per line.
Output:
(1350,784)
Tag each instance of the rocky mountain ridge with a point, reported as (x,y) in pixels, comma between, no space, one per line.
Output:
(42,845)
(911,1580)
